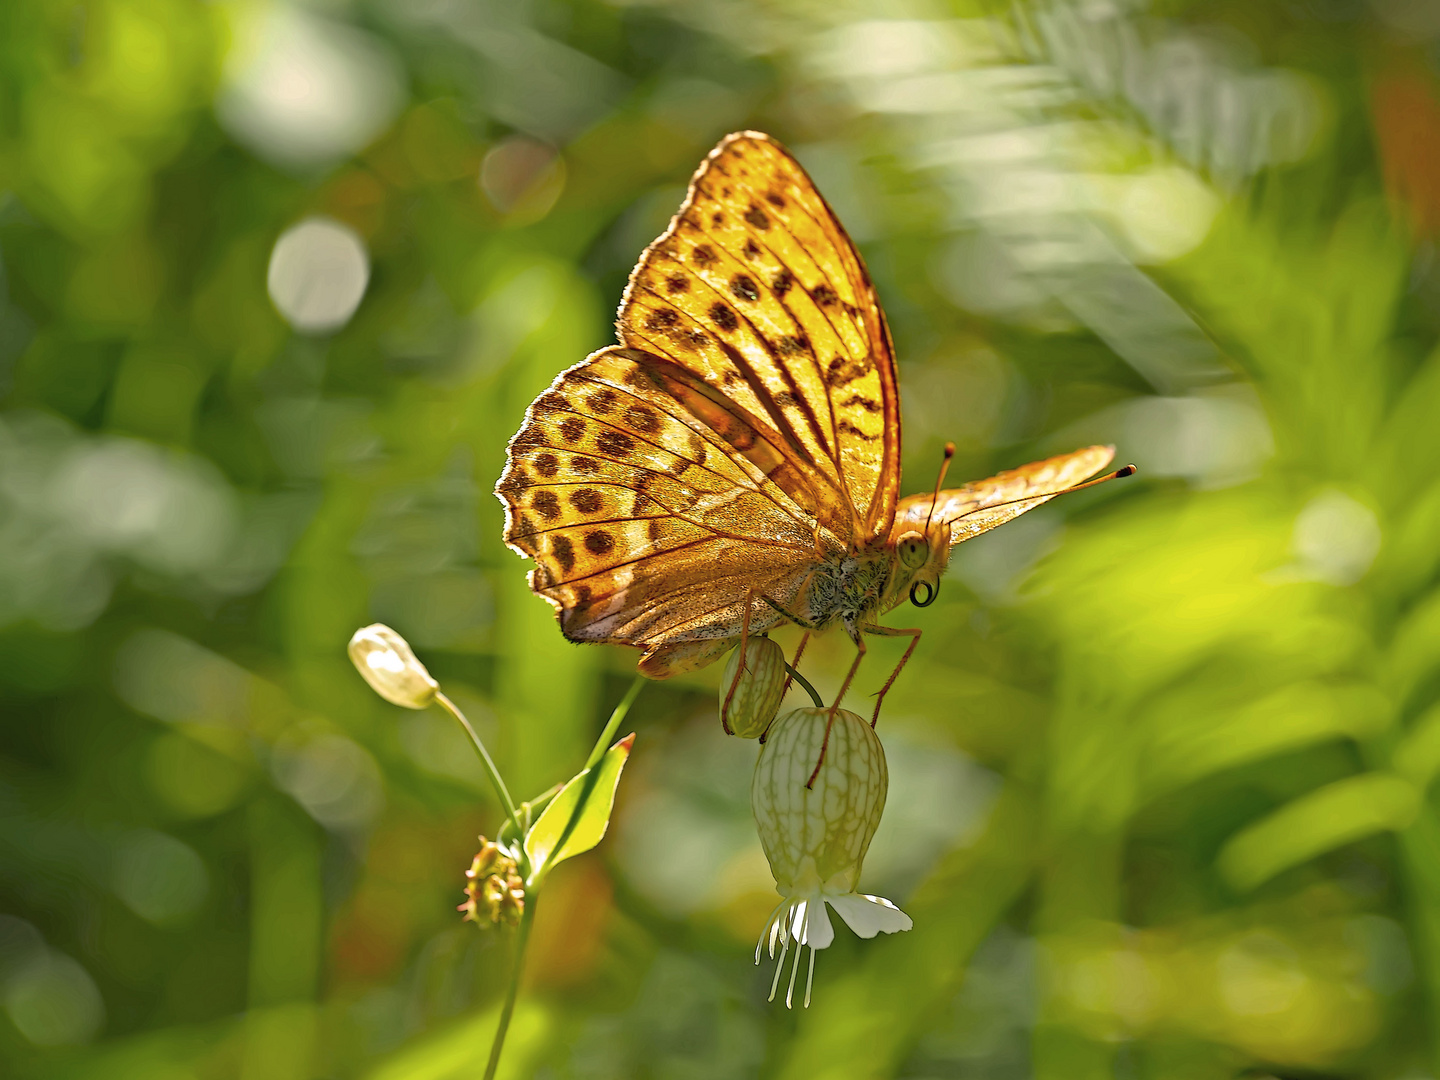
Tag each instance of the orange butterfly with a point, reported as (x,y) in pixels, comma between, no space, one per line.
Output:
(735,462)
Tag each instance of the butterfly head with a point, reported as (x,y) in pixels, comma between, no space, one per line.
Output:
(920,560)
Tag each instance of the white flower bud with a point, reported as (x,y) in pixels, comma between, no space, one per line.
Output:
(384,658)
(816,816)
(756,694)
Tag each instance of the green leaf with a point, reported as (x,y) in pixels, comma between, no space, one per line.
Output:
(552,839)
(1321,821)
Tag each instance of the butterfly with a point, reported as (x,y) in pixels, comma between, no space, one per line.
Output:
(733,463)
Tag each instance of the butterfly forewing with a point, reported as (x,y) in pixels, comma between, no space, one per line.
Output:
(976,507)
(650,502)
(756,288)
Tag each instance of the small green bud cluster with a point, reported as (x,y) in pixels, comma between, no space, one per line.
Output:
(750,698)
(494,892)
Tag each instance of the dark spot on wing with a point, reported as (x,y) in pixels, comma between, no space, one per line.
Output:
(781,283)
(751,249)
(642,419)
(791,344)
(723,317)
(775,200)
(757,217)
(842,371)
(717,219)
(615,444)
(602,401)
(785,399)
(550,402)
(547,465)
(694,339)
(599,542)
(868,404)
(654,530)
(581,464)
(587,501)
(572,429)
(677,283)
(546,505)
(703,255)
(563,551)
(824,295)
(850,429)
(661,319)
(743,286)
(526,438)
(582,595)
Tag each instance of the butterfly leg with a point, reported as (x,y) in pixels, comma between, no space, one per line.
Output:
(886,631)
(740,667)
(794,664)
(860,651)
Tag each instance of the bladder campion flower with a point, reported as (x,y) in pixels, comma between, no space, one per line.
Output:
(494,892)
(749,703)
(384,658)
(816,832)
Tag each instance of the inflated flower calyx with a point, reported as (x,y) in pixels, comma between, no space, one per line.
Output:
(756,695)
(384,658)
(494,892)
(816,833)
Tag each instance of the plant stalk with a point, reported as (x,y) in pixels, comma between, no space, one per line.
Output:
(508,1009)
(616,719)
(806,684)
(495,779)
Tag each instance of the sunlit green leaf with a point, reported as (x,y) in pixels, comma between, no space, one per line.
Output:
(553,838)
(1321,821)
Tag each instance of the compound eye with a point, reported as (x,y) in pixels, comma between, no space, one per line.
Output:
(931,592)
(914,550)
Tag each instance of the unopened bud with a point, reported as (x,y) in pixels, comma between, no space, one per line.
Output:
(816,832)
(384,658)
(494,891)
(749,703)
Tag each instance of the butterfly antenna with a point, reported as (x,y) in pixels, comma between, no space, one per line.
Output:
(939,483)
(1124,470)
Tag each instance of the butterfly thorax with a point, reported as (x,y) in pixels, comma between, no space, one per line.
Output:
(847,589)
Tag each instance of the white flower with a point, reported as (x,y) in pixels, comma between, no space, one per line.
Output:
(818,793)
(384,658)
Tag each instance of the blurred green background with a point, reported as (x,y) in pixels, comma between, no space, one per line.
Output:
(276,283)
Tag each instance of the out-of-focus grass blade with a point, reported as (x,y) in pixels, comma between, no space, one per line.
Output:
(1321,821)
(552,839)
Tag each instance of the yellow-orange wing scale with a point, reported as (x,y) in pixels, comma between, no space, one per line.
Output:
(981,505)
(756,289)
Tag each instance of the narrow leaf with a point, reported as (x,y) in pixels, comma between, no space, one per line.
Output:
(1321,821)
(549,833)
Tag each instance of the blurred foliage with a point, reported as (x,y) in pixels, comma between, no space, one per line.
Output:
(276,283)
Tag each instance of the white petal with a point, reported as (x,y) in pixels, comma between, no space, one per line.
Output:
(819,932)
(869,915)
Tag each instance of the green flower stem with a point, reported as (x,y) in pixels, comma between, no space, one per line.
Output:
(806,684)
(508,1009)
(616,719)
(489,763)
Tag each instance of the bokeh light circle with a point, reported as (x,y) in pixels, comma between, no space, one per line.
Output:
(318,273)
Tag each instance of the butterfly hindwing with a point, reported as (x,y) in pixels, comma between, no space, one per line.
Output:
(975,508)
(650,503)
(757,289)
